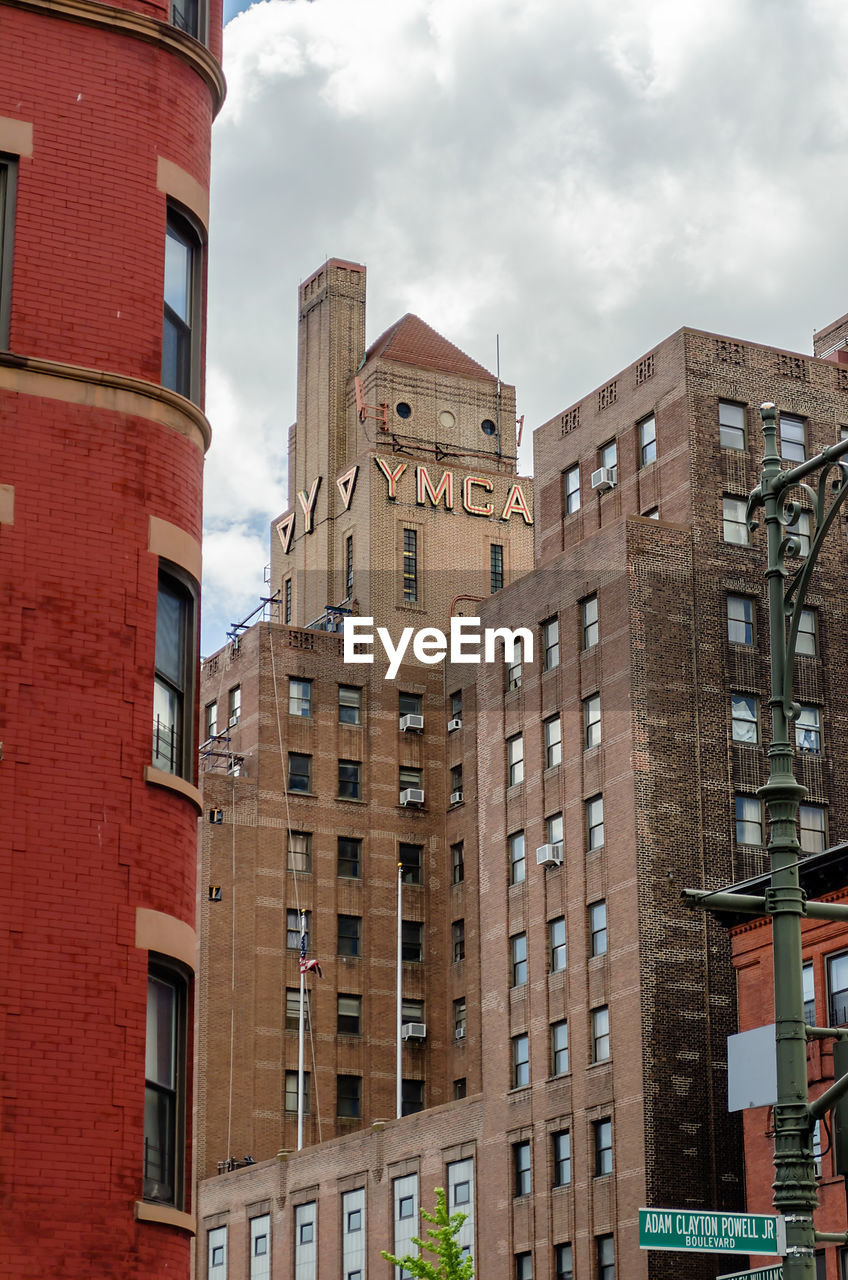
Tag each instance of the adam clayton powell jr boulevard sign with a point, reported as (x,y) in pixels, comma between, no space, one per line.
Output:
(711,1232)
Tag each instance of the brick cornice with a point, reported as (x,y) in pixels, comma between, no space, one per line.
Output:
(142,27)
(102,389)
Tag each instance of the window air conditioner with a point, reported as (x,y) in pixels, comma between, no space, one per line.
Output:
(603,479)
(459,1033)
(549,855)
(411,721)
(454,724)
(233,721)
(413,1031)
(412,795)
(456,797)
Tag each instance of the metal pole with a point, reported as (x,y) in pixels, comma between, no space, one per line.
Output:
(300,1028)
(399,1009)
(795,1194)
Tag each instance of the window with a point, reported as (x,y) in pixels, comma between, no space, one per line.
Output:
(349,934)
(456,705)
(164,1089)
(556,938)
(808,731)
(406,1207)
(349,1015)
(521,1168)
(600,1034)
(173,687)
(457,863)
(354,1220)
(837,989)
(350,704)
(563,1263)
(608,457)
(550,644)
(260,1230)
(348,566)
(809,988)
(749,820)
(293,1009)
(514,760)
(456,783)
(740,620)
(606,1258)
(517,859)
(411,859)
(496,567)
(520,1061)
(647,441)
(589,620)
(603,1147)
(293,928)
(300,851)
(217,1241)
(598,928)
(300,772)
(211,719)
(189,17)
(410,704)
(458,940)
(349,857)
(411,1011)
(553,829)
(411,1097)
(515,668)
(793,438)
(562,1158)
(733,521)
(412,941)
(349,1096)
(591,721)
(181,321)
(410,565)
(8,175)
(461,1193)
(518,959)
(291,1091)
(459,1018)
(523,1266)
(459,1088)
(806,638)
(235,705)
(553,742)
(731,425)
(812,828)
(350,779)
(300,697)
(571,487)
(595,822)
(799,529)
(559,1048)
(287,601)
(744,718)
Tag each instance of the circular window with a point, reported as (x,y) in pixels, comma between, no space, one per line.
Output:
(403,410)
(446,419)
(488,427)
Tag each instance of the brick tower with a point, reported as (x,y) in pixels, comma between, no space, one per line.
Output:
(105,118)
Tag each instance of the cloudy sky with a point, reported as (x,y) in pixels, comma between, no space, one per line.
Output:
(578,178)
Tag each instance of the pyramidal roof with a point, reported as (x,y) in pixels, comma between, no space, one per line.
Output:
(411,341)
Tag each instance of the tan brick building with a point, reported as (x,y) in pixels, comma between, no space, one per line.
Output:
(574,1065)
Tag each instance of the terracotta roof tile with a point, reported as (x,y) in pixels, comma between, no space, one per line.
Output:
(411,341)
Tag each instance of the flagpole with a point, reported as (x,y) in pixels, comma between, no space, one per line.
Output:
(300,1027)
(399,1042)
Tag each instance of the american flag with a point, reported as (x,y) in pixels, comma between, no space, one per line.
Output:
(308,966)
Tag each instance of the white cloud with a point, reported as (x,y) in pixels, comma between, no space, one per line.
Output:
(581,179)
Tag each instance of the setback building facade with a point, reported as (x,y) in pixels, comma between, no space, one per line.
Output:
(573,1066)
(105,118)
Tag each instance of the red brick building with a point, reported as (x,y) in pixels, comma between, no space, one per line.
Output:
(105,118)
(574,1066)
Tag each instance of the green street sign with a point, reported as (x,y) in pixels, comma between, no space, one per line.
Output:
(761,1273)
(711,1232)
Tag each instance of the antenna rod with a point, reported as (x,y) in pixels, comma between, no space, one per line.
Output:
(498,369)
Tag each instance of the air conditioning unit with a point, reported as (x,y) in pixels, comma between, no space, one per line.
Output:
(411,721)
(413,1031)
(603,479)
(549,855)
(459,1033)
(233,721)
(456,797)
(456,723)
(412,795)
